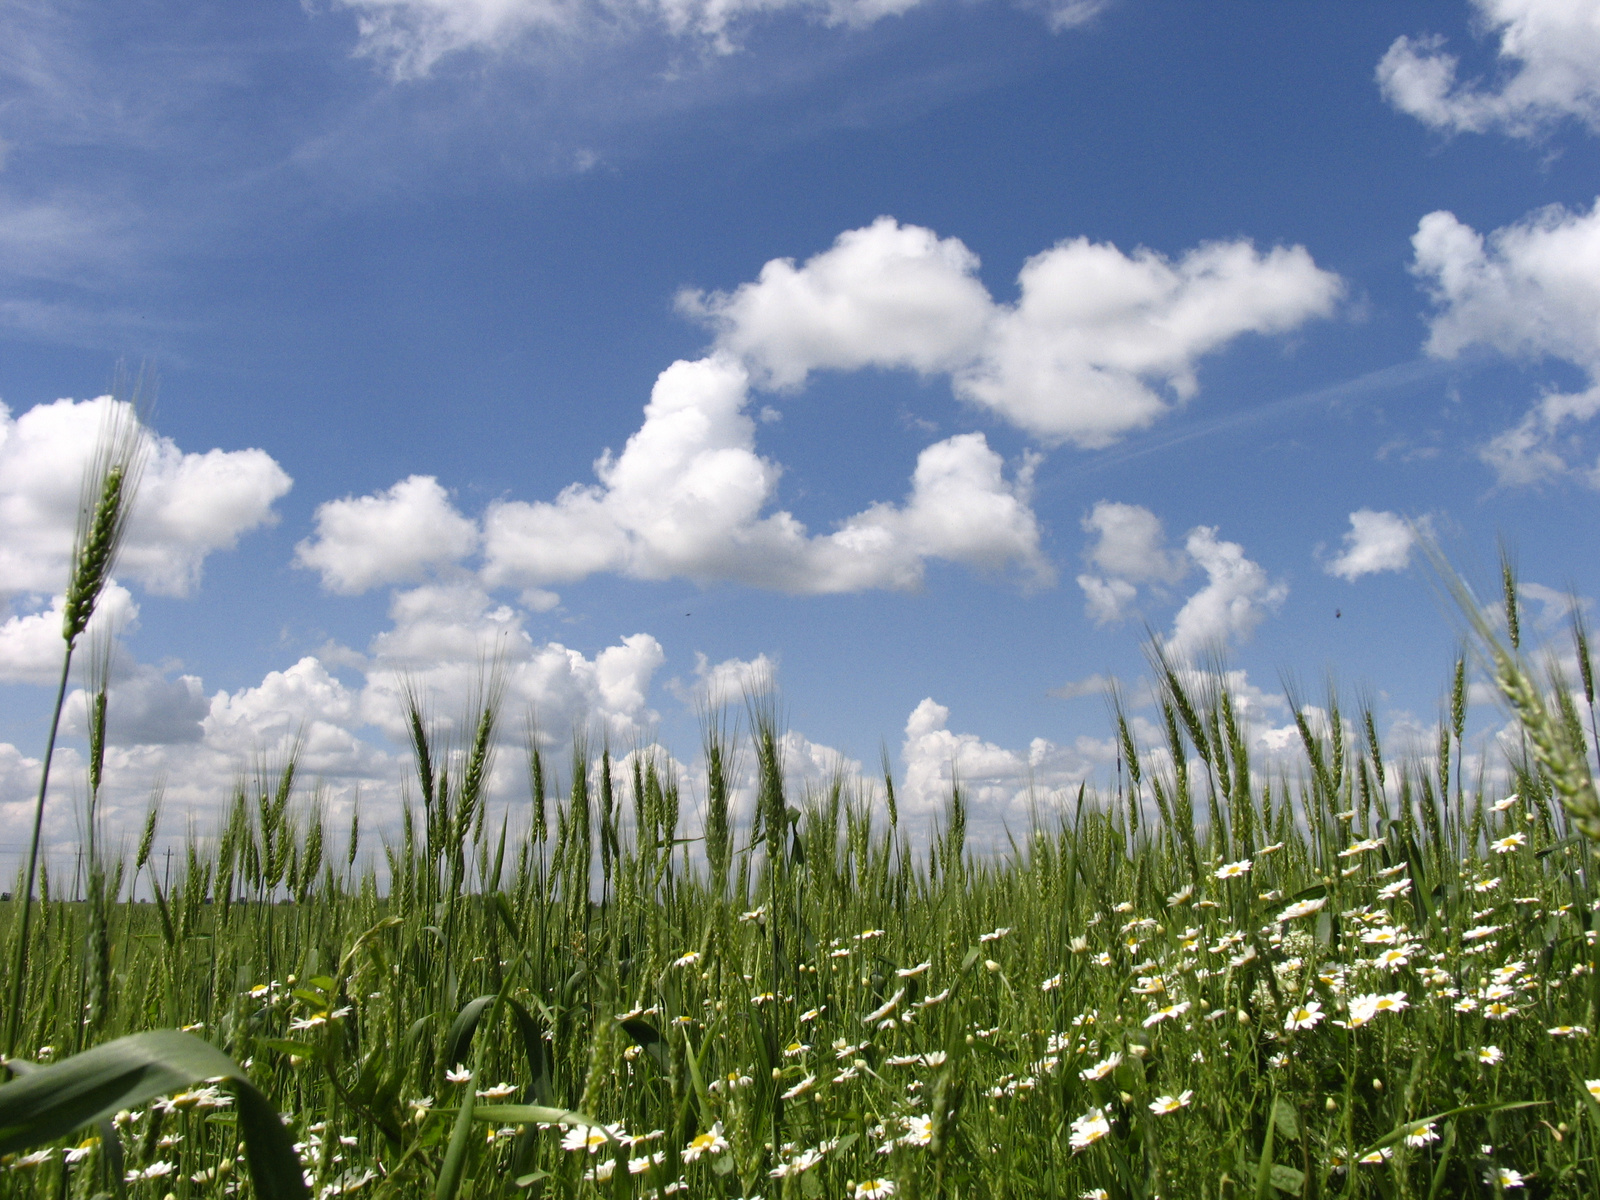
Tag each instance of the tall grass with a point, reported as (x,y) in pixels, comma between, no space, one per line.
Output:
(1367,977)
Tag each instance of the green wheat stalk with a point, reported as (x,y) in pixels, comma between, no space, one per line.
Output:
(105,504)
(1549,737)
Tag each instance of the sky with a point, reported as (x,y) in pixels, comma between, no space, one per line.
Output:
(926,361)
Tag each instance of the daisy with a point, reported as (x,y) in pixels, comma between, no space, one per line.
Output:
(1392,959)
(1491,1055)
(1234,870)
(687,960)
(457,1074)
(1302,908)
(1305,1016)
(710,1142)
(1506,845)
(1421,1135)
(1102,1068)
(1505,1177)
(584,1137)
(1170,1013)
(1089,1129)
(801,1088)
(873,1189)
(1594,1087)
(1361,847)
(1162,1105)
(638,1166)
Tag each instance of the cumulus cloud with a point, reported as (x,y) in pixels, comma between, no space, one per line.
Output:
(1130,551)
(884,296)
(1377,541)
(395,536)
(410,36)
(145,708)
(1529,289)
(189,505)
(1080,357)
(445,639)
(350,734)
(31,645)
(1130,543)
(1000,784)
(1237,596)
(686,497)
(1077,358)
(1549,53)
(731,681)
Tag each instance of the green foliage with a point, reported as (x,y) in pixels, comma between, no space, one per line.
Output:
(1342,978)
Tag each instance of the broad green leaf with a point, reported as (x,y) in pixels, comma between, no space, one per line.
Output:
(87,1088)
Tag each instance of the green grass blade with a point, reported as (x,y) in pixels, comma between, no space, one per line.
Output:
(88,1088)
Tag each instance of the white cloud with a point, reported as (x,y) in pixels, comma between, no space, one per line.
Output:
(1107,601)
(1078,358)
(729,682)
(887,295)
(144,708)
(446,638)
(1377,541)
(1129,549)
(304,703)
(31,645)
(689,496)
(1000,784)
(1530,289)
(410,36)
(1081,355)
(1550,58)
(686,497)
(1089,685)
(188,505)
(1131,544)
(1554,606)
(351,735)
(395,536)
(1236,598)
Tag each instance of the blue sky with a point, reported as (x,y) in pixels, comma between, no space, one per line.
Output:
(1052,326)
